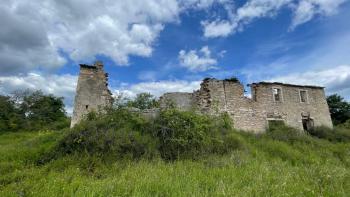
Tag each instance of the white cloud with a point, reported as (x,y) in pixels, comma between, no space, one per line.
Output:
(32,32)
(303,11)
(217,28)
(307,9)
(336,79)
(24,44)
(58,85)
(157,88)
(197,60)
(65,86)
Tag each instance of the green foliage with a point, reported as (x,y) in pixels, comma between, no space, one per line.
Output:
(143,101)
(339,109)
(10,117)
(186,134)
(345,125)
(32,111)
(42,110)
(232,79)
(267,167)
(115,135)
(174,134)
(338,134)
(279,131)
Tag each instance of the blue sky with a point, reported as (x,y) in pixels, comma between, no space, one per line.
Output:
(171,45)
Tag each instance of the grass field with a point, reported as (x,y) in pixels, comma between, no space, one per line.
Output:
(263,167)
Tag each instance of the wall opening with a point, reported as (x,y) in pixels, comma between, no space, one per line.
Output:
(303,96)
(86,106)
(277,94)
(308,124)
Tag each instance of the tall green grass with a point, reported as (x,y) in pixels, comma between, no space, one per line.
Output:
(282,162)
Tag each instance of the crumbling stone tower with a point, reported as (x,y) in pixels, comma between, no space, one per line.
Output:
(92,91)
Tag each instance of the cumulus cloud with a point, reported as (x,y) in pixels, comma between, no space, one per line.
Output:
(157,88)
(336,79)
(303,11)
(217,28)
(197,60)
(58,85)
(24,44)
(32,32)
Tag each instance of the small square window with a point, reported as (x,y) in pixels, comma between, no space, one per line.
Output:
(303,96)
(277,94)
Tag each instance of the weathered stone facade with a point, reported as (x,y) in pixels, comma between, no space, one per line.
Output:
(92,91)
(298,106)
(302,107)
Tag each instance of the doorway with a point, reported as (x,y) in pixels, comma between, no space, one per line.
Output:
(308,124)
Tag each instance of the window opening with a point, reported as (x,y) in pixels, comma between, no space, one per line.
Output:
(303,96)
(277,94)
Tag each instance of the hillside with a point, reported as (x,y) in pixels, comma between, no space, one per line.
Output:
(260,166)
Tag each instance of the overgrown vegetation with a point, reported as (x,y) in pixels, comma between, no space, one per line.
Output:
(143,101)
(120,153)
(339,109)
(120,134)
(25,110)
(263,165)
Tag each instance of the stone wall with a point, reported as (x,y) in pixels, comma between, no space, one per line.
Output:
(290,109)
(216,97)
(253,114)
(92,91)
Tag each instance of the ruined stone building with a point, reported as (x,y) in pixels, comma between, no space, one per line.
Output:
(299,106)
(92,91)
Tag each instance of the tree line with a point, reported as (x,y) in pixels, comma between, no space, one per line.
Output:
(28,110)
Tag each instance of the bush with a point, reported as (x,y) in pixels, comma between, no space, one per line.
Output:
(186,134)
(173,135)
(338,134)
(117,134)
(345,125)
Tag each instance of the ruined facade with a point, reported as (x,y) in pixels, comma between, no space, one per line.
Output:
(302,107)
(92,91)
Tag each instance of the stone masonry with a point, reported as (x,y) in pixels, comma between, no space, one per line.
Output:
(299,106)
(92,91)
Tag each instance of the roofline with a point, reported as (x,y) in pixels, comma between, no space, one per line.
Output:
(285,84)
(87,66)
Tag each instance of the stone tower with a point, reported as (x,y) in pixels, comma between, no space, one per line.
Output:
(92,91)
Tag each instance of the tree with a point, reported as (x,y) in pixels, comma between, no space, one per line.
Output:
(143,101)
(339,109)
(42,110)
(10,118)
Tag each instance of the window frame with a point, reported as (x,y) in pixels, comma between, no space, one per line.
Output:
(306,94)
(273,94)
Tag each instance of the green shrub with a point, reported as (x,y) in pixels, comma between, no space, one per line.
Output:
(117,134)
(345,125)
(182,134)
(186,134)
(173,135)
(338,134)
